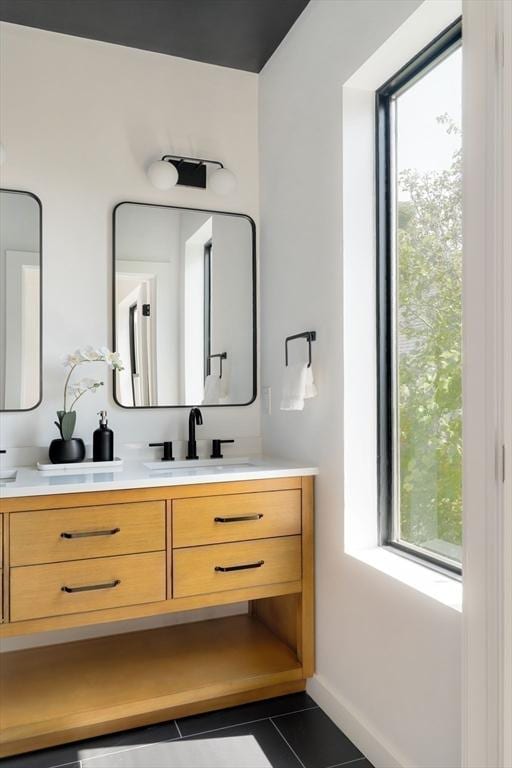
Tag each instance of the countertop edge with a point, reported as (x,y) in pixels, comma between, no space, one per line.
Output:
(88,484)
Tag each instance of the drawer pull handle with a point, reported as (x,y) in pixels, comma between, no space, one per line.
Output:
(240,519)
(245,567)
(90,587)
(85,534)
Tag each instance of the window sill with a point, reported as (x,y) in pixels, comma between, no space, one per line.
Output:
(439,586)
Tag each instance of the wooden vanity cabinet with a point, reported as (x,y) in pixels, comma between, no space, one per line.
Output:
(72,560)
(1,568)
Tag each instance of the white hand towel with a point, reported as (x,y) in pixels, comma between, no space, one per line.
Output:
(223,388)
(310,389)
(294,384)
(298,385)
(212,390)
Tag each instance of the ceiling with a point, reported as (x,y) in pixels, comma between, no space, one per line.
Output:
(242,34)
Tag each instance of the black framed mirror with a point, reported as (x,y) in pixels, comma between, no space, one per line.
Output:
(184,306)
(21,223)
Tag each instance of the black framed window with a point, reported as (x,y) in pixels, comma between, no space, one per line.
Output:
(419,242)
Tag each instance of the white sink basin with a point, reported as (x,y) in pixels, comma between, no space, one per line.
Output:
(193,463)
(8,474)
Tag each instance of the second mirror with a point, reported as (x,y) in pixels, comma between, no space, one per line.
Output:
(184,306)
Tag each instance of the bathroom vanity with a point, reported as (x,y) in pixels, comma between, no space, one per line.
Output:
(83,548)
(87,550)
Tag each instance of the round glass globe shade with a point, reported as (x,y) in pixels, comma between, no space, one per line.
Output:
(222,182)
(162,175)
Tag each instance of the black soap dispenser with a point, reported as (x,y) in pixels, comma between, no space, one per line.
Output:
(103,440)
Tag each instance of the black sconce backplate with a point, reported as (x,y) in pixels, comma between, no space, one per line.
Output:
(190,174)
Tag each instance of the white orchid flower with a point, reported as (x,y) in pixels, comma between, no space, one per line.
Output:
(70,360)
(90,384)
(75,389)
(84,384)
(112,359)
(87,354)
(80,388)
(116,362)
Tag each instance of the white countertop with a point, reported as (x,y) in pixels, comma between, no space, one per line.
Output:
(32,482)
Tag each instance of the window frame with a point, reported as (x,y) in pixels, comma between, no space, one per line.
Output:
(441,47)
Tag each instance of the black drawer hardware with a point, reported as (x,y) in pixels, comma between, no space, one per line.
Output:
(226,568)
(240,519)
(85,534)
(90,587)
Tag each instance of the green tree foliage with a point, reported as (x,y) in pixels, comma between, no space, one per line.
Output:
(429,320)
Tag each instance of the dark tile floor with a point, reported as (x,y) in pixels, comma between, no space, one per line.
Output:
(287,732)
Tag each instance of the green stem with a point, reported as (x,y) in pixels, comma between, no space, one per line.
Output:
(97,360)
(89,389)
(67,382)
(78,397)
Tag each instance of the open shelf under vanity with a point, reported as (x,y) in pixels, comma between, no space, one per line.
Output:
(64,692)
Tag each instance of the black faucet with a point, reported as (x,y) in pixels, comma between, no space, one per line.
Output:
(194,418)
(216,448)
(167,446)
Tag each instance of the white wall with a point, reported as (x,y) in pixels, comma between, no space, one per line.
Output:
(80,120)
(487,385)
(388,656)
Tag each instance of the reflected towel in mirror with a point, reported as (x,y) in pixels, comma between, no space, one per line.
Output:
(298,385)
(215,390)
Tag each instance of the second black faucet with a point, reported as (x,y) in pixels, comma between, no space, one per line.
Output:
(195,417)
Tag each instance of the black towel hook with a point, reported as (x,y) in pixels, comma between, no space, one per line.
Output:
(308,335)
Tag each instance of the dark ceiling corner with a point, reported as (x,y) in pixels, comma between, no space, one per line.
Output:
(242,34)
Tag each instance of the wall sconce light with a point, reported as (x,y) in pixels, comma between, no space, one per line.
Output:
(173,170)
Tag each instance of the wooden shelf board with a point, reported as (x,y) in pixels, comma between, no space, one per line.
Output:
(19,628)
(111,679)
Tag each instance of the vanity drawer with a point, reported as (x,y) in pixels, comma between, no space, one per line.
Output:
(58,535)
(88,585)
(220,567)
(216,519)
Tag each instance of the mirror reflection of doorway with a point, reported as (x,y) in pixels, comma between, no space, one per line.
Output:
(136,338)
(22,329)
(20,300)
